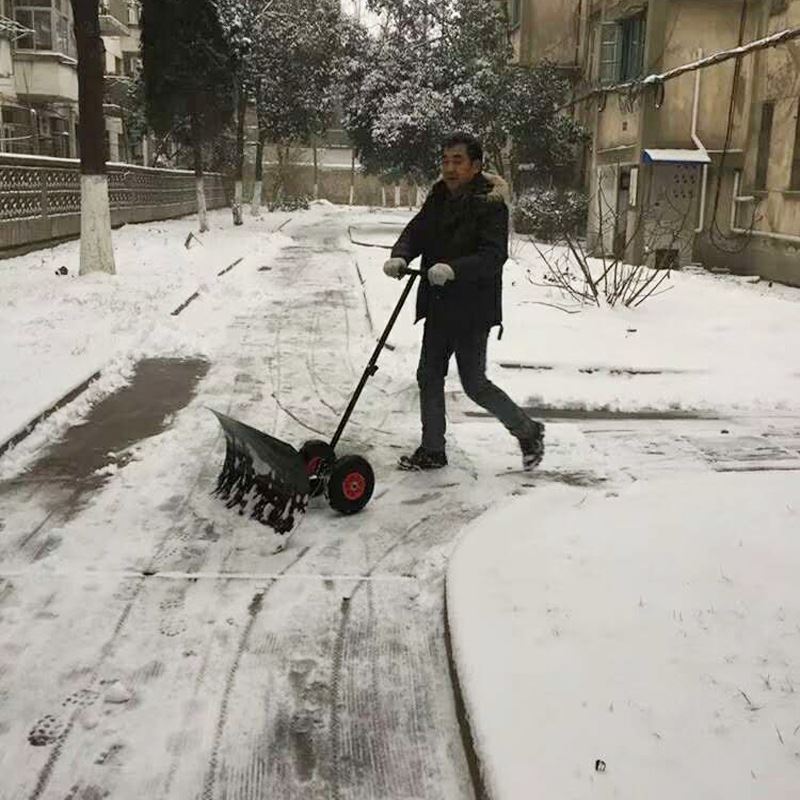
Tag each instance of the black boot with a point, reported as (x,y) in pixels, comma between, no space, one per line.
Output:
(532,446)
(422,459)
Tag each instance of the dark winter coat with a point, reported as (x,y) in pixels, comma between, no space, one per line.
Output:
(470,233)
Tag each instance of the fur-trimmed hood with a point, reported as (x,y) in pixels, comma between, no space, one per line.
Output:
(486,184)
(500,188)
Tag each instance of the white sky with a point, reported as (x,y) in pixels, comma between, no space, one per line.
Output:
(359,8)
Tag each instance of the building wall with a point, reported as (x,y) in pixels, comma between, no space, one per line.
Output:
(694,29)
(623,126)
(47,82)
(777,210)
(335,176)
(46,76)
(7,87)
(549,29)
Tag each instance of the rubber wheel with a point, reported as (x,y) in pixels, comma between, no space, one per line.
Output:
(318,456)
(350,484)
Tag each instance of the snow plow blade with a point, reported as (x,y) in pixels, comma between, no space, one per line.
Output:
(262,477)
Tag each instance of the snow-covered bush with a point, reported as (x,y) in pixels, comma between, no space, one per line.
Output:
(288,203)
(548,214)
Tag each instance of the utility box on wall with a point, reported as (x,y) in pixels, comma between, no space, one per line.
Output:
(670,213)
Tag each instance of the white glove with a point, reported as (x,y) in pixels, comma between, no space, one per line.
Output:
(393,267)
(439,274)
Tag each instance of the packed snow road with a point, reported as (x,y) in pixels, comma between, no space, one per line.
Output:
(152,644)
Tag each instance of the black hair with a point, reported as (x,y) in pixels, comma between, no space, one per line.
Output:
(473,144)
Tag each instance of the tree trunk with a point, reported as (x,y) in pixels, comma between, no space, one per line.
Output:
(352,177)
(97,253)
(241,113)
(258,186)
(197,151)
(316,171)
(279,187)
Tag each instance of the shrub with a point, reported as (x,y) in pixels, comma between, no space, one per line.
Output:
(288,203)
(550,214)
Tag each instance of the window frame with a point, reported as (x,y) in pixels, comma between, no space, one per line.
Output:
(621,49)
(61,30)
(764,145)
(794,174)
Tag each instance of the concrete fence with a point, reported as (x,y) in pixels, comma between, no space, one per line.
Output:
(40,198)
(334,184)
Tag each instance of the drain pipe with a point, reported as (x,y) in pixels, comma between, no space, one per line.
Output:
(701,222)
(788,238)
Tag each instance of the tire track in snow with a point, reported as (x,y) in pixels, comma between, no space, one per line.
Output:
(46,771)
(255,607)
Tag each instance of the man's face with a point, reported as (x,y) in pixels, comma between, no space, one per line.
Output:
(457,167)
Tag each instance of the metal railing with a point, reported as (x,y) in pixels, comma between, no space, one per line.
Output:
(40,198)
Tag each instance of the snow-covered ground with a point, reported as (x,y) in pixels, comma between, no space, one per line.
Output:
(58,330)
(655,629)
(339,675)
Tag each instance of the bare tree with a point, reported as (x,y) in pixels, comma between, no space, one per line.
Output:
(603,277)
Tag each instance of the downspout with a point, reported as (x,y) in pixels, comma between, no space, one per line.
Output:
(701,222)
(737,199)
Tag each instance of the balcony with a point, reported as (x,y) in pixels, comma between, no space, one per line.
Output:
(114,18)
(44,77)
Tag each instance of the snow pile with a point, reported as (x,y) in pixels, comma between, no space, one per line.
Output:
(655,632)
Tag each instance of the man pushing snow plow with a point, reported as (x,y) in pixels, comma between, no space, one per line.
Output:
(461,234)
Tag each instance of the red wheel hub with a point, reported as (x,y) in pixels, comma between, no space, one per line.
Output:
(354,485)
(313,465)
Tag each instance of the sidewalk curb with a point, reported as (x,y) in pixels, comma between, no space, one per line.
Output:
(29,428)
(467,739)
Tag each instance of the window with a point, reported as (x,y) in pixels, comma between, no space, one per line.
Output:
(794,183)
(622,50)
(50,22)
(514,12)
(610,42)
(132,64)
(133,12)
(764,142)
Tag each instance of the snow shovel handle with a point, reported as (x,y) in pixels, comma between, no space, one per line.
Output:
(372,366)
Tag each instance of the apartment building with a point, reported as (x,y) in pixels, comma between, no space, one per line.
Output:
(39,79)
(704,168)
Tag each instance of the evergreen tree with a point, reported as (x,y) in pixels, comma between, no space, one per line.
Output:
(446,65)
(188,77)
(284,54)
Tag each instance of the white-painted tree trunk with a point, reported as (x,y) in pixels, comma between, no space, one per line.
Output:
(237,204)
(417,196)
(202,209)
(397,195)
(383,196)
(411,196)
(255,207)
(97,253)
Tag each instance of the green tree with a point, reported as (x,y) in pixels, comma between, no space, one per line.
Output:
(188,77)
(448,65)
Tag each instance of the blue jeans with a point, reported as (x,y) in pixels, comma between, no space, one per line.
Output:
(440,341)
